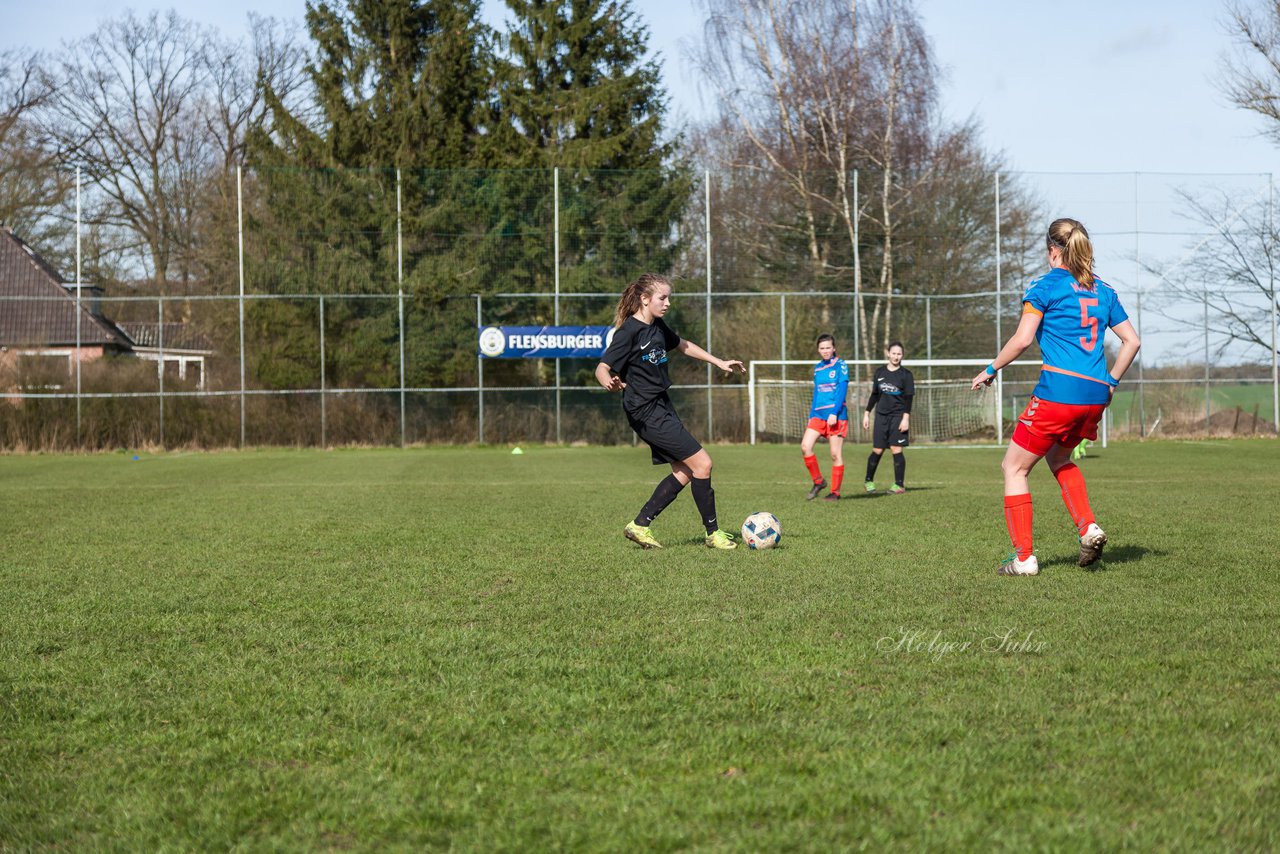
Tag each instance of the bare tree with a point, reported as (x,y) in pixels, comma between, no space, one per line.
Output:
(1232,269)
(813,93)
(154,109)
(903,94)
(124,105)
(237,73)
(32,186)
(786,77)
(1250,72)
(1238,258)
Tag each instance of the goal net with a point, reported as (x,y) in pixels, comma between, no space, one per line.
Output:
(944,409)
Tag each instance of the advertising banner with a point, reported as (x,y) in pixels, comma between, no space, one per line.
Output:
(544,342)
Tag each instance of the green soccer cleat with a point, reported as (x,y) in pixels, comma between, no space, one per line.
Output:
(869,486)
(721,540)
(897,489)
(641,536)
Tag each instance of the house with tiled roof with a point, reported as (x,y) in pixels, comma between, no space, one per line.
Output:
(40,317)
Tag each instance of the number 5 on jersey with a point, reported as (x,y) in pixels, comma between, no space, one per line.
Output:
(1090,323)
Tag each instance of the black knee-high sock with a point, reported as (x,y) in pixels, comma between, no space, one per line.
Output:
(873,460)
(705,497)
(899,468)
(665,492)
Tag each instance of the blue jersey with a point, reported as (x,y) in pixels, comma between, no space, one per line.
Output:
(1074,321)
(830,383)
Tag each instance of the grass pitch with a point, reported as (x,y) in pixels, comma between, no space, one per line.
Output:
(456,648)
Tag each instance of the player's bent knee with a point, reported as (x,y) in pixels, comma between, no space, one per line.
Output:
(700,465)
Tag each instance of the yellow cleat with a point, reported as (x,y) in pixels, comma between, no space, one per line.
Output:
(641,536)
(721,540)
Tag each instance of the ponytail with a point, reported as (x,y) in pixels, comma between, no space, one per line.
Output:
(1071,239)
(630,302)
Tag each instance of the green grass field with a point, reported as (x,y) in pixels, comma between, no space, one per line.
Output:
(456,648)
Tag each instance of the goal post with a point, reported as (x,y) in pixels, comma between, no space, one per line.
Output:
(945,409)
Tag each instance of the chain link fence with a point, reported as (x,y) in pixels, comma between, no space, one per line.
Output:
(329,308)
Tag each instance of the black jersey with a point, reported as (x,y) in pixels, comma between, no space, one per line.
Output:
(891,391)
(638,354)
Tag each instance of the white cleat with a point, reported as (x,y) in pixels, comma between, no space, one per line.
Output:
(1013,566)
(1091,543)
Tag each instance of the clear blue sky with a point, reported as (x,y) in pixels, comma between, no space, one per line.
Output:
(1136,72)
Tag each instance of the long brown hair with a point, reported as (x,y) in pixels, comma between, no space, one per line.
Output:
(1070,238)
(630,302)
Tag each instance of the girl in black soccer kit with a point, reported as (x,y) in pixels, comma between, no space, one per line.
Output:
(892,389)
(635,363)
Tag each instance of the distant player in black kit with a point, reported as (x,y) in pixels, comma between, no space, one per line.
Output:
(892,388)
(635,363)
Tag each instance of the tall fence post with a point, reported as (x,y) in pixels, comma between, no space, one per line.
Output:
(1207,413)
(782,351)
(160,358)
(240,242)
(324,414)
(999,301)
(1142,385)
(928,332)
(400,296)
(555,310)
(1137,286)
(857,275)
(479,373)
(1275,354)
(706,219)
(79,289)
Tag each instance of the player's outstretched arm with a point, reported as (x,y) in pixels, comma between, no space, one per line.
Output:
(693,351)
(1023,337)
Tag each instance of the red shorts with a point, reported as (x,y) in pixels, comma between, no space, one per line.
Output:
(1045,423)
(820,425)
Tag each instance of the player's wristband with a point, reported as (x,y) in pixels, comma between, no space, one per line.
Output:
(1112,381)
(991,370)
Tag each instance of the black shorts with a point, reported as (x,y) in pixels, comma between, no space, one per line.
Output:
(885,432)
(658,425)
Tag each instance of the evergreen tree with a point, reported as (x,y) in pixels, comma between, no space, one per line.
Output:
(578,93)
(397,84)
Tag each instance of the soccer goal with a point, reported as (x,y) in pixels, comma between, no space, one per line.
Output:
(945,408)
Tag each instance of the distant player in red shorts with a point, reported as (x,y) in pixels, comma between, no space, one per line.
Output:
(828,417)
(1067,311)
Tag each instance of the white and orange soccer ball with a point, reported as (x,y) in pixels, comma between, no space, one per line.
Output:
(761,530)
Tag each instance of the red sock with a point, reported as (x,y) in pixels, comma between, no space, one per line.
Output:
(1075,496)
(1017,515)
(837,475)
(811,462)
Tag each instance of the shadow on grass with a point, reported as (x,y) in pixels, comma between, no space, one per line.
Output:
(1114,557)
(861,494)
(1129,554)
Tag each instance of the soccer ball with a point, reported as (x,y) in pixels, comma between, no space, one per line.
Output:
(761,530)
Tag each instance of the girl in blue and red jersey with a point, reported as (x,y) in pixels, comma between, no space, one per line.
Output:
(828,416)
(1067,312)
